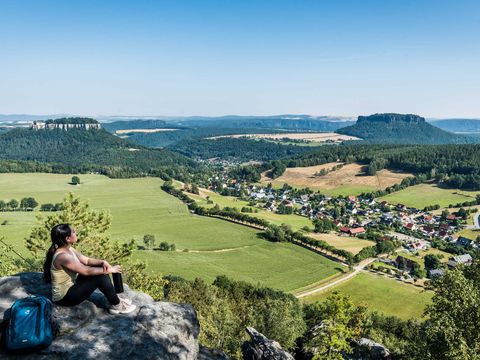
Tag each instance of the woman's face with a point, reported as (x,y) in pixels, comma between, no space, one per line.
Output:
(72,239)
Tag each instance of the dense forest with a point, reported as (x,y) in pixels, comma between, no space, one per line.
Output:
(239,149)
(401,129)
(79,150)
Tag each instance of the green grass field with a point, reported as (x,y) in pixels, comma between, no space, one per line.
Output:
(283,266)
(381,294)
(139,206)
(422,195)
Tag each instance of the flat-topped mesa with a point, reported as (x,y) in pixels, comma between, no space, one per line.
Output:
(66,124)
(391,118)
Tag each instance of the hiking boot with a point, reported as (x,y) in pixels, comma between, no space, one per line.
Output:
(121,308)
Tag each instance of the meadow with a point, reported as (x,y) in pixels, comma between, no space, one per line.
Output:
(422,195)
(348,180)
(381,294)
(206,247)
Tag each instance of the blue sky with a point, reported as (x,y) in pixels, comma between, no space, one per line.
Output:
(242,57)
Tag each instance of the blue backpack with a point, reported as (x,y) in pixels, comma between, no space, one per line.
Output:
(28,325)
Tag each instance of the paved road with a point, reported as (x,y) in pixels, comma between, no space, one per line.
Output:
(476,222)
(347,276)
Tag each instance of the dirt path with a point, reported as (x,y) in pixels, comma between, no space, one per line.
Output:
(218,250)
(347,276)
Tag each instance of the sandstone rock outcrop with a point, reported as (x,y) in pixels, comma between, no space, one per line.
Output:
(155,330)
(262,348)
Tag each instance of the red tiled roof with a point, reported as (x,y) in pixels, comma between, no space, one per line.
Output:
(357,230)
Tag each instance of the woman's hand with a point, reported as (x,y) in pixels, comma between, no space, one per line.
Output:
(115,269)
(106,266)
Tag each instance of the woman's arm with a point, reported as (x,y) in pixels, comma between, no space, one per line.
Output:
(68,262)
(91,262)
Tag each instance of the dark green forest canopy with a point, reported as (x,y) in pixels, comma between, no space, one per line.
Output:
(239,149)
(79,150)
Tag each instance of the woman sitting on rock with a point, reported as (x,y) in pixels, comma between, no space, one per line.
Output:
(74,277)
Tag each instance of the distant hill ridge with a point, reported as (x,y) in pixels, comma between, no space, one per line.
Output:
(401,129)
(458,125)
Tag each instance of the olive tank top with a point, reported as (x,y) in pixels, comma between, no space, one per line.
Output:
(62,279)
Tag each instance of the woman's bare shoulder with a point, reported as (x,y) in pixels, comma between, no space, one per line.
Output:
(61,256)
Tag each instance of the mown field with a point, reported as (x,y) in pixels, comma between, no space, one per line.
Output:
(381,294)
(206,247)
(348,180)
(422,195)
(352,244)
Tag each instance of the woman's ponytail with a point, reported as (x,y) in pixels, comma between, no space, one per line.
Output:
(59,236)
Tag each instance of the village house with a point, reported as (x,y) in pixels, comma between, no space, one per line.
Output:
(418,245)
(410,226)
(357,231)
(465,259)
(435,273)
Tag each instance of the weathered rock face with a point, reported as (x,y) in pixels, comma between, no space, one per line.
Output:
(261,348)
(155,330)
(391,118)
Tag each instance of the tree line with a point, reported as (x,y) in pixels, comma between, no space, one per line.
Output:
(27,204)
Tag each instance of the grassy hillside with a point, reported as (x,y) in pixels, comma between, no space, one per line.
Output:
(350,179)
(423,195)
(138,206)
(78,150)
(385,295)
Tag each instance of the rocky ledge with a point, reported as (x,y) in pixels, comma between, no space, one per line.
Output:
(155,330)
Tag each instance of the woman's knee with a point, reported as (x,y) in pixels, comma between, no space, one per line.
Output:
(104,279)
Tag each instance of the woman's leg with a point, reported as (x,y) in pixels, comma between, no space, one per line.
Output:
(85,285)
